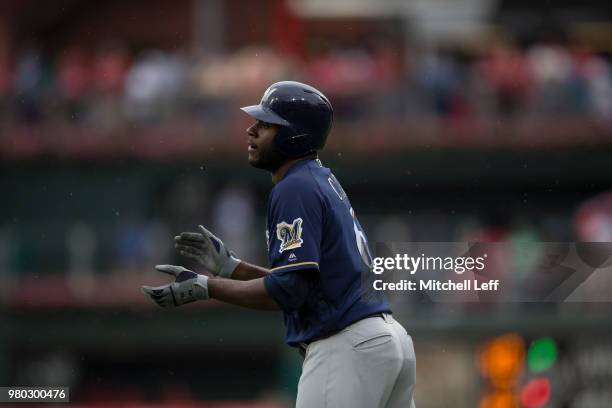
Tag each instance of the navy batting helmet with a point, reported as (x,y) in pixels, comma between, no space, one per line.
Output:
(303,113)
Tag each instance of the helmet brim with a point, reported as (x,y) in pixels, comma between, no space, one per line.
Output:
(264,114)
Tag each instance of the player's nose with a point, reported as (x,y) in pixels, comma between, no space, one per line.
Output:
(251,130)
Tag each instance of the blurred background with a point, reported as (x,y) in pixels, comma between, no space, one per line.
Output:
(455,120)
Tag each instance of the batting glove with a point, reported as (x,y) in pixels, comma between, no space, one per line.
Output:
(208,250)
(188,287)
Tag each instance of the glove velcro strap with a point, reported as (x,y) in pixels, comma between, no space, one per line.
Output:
(200,287)
(229,267)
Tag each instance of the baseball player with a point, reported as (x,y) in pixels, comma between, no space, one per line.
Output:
(355,353)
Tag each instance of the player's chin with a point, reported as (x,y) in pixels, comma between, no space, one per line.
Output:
(255,161)
(265,160)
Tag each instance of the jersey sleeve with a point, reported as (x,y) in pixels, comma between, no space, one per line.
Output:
(295,223)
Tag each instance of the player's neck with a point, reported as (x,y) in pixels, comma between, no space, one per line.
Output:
(282,170)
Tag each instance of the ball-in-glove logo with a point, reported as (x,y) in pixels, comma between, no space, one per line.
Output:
(290,235)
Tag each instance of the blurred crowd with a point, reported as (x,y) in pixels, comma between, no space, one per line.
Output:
(127,240)
(112,85)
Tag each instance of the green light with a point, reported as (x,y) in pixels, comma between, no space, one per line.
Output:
(542,355)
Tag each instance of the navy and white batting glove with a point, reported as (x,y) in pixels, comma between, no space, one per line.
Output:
(188,287)
(208,250)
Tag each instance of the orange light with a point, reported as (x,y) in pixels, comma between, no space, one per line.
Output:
(498,400)
(501,360)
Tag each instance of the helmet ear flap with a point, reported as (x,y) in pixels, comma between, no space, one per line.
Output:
(293,142)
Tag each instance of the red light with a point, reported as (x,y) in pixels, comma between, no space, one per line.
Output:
(536,393)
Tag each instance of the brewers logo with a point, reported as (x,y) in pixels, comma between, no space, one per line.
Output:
(290,235)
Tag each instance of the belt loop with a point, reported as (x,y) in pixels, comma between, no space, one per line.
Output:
(302,347)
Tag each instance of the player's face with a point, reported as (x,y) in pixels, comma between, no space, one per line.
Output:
(262,152)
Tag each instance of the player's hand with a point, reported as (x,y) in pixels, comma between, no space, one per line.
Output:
(187,287)
(208,250)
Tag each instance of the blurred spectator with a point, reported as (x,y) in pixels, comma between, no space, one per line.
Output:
(343,71)
(239,77)
(506,73)
(593,220)
(437,76)
(131,245)
(351,71)
(598,77)
(153,85)
(233,217)
(110,66)
(551,67)
(158,242)
(185,204)
(81,247)
(6,79)
(29,85)
(342,74)
(57,368)
(7,260)
(74,80)
(243,74)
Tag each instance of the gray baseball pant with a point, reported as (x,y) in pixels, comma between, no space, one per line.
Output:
(369,364)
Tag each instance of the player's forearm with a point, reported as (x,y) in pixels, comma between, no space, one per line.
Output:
(251,293)
(246,271)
